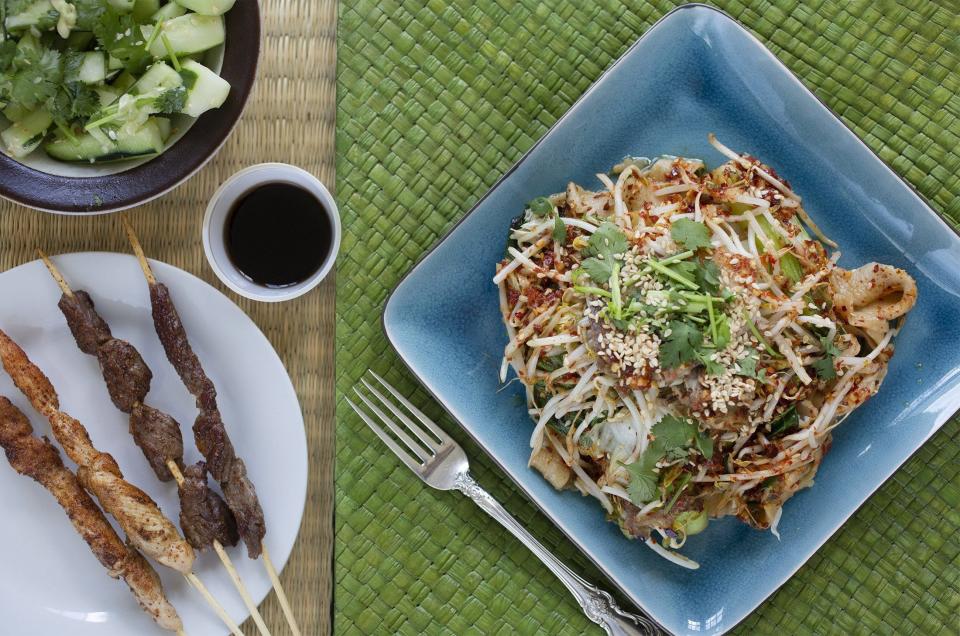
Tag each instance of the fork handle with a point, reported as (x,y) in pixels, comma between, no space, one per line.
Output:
(597,604)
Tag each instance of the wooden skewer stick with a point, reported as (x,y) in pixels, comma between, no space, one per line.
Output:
(228,564)
(281,596)
(191,577)
(222,613)
(138,250)
(267,563)
(57,276)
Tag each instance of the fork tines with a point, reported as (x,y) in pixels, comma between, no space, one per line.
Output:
(414,451)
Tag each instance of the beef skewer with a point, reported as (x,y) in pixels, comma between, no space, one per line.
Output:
(38,459)
(146,528)
(209,431)
(204,518)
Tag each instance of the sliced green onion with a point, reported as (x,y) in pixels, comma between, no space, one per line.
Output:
(759,336)
(666,271)
(615,292)
(791,268)
(596,291)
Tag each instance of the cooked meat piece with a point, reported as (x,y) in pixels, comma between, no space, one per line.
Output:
(126,374)
(242,499)
(38,459)
(204,517)
(158,436)
(86,325)
(145,526)
(214,443)
(230,471)
(173,337)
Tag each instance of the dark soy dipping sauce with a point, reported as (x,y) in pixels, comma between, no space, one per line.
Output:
(278,235)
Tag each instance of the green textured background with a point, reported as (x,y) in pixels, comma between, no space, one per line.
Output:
(435,101)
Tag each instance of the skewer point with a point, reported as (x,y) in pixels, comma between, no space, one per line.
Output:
(57,276)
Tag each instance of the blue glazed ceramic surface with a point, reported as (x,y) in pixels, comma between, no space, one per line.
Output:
(444,320)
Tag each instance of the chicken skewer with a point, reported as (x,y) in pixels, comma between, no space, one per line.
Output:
(209,431)
(38,459)
(146,528)
(205,519)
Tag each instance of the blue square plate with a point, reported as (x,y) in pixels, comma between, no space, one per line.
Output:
(444,320)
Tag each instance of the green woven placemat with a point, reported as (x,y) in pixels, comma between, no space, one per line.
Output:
(435,101)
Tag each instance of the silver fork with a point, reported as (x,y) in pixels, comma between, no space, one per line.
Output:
(440,462)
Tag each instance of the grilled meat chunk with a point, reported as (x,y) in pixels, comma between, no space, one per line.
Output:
(126,374)
(172,335)
(38,459)
(231,472)
(158,436)
(204,517)
(86,325)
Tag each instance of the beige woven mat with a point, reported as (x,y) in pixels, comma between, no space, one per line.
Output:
(290,117)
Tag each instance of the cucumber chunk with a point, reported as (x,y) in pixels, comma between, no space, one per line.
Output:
(79,40)
(23,137)
(166,128)
(160,75)
(40,14)
(208,7)
(92,70)
(15,112)
(168,11)
(101,148)
(190,33)
(208,91)
(143,9)
(123,6)
(123,82)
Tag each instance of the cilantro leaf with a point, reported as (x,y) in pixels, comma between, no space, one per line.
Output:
(785,423)
(707,276)
(597,270)
(825,366)
(704,444)
(671,433)
(748,368)
(73,100)
(713,368)
(559,231)
(89,13)
(171,101)
(120,36)
(607,242)
(38,75)
(681,345)
(8,49)
(690,234)
(642,487)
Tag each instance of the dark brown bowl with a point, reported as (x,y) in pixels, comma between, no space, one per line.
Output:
(101,194)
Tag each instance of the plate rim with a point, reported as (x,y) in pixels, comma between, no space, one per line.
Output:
(723,15)
(161,267)
(59,197)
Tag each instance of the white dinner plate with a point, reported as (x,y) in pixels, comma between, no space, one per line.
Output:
(50,582)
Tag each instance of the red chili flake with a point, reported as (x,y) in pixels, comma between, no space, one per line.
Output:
(512,297)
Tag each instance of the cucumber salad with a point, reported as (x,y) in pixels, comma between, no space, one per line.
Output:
(99,80)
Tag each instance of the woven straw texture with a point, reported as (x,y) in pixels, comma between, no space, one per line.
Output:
(290,117)
(436,100)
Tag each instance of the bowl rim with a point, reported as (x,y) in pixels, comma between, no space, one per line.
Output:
(504,473)
(88,196)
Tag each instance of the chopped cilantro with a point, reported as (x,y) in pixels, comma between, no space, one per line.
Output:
(690,234)
(121,37)
(707,276)
(643,480)
(713,368)
(748,368)
(604,244)
(541,206)
(704,444)
(825,366)
(785,423)
(681,345)
(559,231)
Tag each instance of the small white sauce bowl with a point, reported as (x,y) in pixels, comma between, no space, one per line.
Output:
(218,211)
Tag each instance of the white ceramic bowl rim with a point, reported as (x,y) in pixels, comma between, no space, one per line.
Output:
(219,208)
